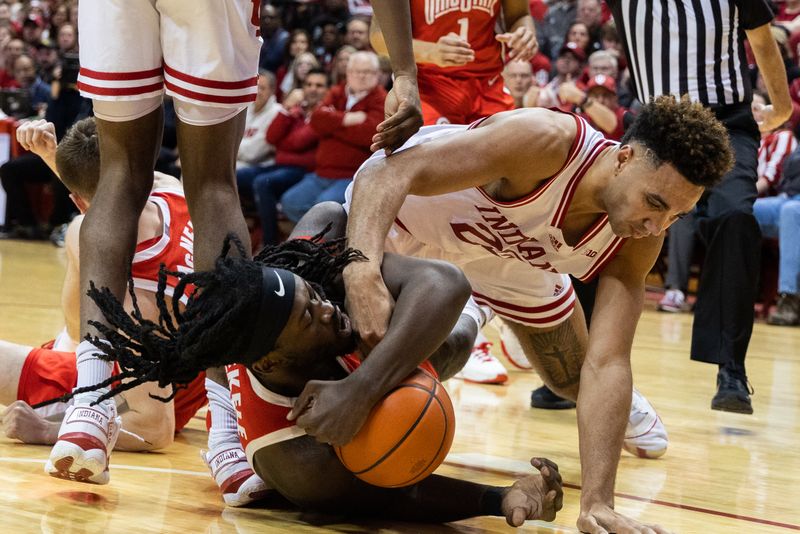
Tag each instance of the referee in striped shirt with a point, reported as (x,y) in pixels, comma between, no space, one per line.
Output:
(696,48)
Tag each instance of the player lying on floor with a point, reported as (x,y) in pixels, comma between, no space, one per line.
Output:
(31,375)
(273,316)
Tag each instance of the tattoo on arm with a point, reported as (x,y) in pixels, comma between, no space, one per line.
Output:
(560,354)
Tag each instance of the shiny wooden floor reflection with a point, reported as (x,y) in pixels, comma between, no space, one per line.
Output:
(723,472)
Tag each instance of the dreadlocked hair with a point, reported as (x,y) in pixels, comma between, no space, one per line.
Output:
(210,331)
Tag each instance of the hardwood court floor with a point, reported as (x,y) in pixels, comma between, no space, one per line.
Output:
(723,472)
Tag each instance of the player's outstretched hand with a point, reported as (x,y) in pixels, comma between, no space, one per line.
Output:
(331,411)
(39,137)
(537,496)
(403,115)
(21,422)
(602,519)
(521,43)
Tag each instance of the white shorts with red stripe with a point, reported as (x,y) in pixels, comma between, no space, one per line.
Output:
(202,51)
(511,289)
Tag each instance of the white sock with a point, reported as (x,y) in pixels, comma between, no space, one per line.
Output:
(91,370)
(224,426)
(480,314)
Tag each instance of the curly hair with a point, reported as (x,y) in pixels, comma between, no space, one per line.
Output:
(686,135)
(214,328)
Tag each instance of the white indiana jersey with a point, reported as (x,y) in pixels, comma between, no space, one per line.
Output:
(513,253)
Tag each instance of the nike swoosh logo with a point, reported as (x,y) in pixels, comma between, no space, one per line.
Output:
(280,291)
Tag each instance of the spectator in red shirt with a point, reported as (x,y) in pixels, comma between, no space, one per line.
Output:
(295,143)
(569,66)
(345,122)
(598,104)
(775,147)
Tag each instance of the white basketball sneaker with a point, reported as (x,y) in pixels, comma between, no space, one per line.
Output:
(85,440)
(511,348)
(645,436)
(229,467)
(482,367)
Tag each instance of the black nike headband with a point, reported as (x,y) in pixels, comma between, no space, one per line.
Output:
(277,300)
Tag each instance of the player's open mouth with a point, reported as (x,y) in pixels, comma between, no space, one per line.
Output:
(343,327)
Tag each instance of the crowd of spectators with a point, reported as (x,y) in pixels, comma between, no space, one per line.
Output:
(320,96)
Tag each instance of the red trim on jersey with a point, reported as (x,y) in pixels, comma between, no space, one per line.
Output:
(147,243)
(119,76)
(533,195)
(572,186)
(593,230)
(607,256)
(212,84)
(526,309)
(528,320)
(120,91)
(476,123)
(399,223)
(239,99)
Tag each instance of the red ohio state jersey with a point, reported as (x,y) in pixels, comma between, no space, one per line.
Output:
(261,413)
(473,20)
(174,247)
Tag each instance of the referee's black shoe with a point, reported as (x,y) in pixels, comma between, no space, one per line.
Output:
(733,392)
(545,399)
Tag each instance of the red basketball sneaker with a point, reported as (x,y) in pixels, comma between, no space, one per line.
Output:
(229,467)
(85,439)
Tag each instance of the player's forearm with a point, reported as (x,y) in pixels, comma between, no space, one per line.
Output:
(375,204)
(395,24)
(772,69)
(603,408)
(525,21)
(423,50)
(434,296)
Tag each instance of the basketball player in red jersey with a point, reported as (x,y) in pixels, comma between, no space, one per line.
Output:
(33,375)
(272,315)
(519,201)
(460,58)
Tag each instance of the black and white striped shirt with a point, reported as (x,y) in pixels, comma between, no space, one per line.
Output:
(689,46)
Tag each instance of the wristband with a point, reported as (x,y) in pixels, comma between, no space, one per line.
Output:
(492,500)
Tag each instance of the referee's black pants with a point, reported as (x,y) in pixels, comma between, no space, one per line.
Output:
(723,315)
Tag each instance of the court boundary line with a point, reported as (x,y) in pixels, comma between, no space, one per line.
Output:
(464,463)
(117,466)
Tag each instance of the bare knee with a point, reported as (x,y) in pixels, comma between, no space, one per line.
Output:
(319,217)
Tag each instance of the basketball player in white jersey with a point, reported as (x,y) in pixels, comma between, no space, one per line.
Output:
(518,202)
(32,375)
(204,54)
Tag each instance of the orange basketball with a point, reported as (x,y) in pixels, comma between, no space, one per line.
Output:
(406,436)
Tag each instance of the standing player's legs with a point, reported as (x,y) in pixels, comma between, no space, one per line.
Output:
(208,159)
(211,53)
(121,72)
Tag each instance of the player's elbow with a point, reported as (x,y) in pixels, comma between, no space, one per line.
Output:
(448,283)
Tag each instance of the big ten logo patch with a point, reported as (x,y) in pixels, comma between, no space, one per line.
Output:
(501,237)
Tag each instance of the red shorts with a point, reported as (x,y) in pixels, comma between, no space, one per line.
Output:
(47,374)
(461,100)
